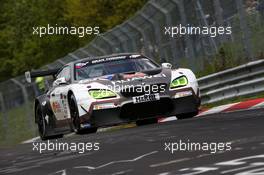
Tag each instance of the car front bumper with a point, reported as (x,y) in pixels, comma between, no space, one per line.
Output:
(105,113)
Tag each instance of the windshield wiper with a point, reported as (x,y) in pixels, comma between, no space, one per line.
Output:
(152,71)
(131,72)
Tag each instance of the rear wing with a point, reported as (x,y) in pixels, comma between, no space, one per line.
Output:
(34,74)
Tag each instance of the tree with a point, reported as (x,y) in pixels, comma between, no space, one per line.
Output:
(20,50)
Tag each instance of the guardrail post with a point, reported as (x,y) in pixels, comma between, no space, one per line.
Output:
(244,28)
(123,29)
(168,23)
(157,34)
(73,56)
(144,37)
(117,50)
(204,20)
(27,104)
(107,41)
(261,12)
(85,52)
(219,18)
(102,51)
(4,117)
(187,38)
(61,62)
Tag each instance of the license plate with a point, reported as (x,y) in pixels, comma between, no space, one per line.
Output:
(146,98)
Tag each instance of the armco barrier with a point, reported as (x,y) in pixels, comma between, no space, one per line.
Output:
(247,79)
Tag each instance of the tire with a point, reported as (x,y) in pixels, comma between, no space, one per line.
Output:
(186,115)
(76,126)
(42,125)
(74,115)
(146,121)
(88,130)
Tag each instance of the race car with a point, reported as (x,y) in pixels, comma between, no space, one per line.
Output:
(109,90)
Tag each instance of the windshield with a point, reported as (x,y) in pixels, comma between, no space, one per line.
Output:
(86,70)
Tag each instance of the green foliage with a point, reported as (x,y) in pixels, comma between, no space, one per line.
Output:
(103,13)
(229,55)
(18,129)
(232,54)
(20,50)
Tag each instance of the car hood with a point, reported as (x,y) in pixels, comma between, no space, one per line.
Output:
(136,78)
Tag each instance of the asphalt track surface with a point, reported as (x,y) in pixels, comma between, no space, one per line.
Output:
(141,150)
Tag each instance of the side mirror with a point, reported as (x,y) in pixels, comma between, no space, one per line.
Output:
(166,65)
(60,81)
(28,76)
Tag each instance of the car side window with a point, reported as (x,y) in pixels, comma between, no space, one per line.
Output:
(59,74)
(65,72)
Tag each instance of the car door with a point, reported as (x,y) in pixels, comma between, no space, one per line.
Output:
(58,96)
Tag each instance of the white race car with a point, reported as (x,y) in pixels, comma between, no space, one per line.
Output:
(110,90)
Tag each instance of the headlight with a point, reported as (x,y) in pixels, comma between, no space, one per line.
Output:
(179,82)
(101,93)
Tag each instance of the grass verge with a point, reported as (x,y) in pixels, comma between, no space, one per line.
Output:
(15,128)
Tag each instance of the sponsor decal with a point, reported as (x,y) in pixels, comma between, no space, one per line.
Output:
(80,65)
(100,60)
(146,98)
(56,107)
(44,103)
(65,108)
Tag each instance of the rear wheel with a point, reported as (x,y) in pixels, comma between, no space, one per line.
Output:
(76,118)
(42,125)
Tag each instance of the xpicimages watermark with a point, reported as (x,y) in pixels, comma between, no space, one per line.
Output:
(212,31)
(125,87)
(140,89)
(65,30)
(80,147)
(145,88)
(212,147)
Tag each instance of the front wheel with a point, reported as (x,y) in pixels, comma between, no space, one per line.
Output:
(76,126)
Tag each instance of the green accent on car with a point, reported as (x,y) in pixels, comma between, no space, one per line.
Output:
(101,93)
(179,82)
